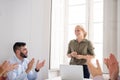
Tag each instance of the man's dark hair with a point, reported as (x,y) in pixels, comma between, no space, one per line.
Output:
(17,45)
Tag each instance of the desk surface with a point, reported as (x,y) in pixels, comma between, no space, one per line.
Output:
(59,78)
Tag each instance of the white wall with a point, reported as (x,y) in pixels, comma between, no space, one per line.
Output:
(118,31)
(28,21)
(110,28)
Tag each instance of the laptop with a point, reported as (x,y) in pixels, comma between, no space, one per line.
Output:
(71,72)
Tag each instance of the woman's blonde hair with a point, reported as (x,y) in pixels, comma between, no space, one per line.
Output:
(81,28)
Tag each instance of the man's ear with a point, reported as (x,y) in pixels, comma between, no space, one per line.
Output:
(17,51)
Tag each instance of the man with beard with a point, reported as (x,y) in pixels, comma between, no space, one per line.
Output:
(24,70)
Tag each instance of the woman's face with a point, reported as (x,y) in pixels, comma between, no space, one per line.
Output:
(78,32)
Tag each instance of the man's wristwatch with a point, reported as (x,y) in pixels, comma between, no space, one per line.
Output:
(36,70)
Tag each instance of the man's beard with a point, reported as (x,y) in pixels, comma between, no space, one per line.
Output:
(23,55)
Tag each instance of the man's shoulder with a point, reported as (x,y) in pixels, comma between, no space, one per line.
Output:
(14,59)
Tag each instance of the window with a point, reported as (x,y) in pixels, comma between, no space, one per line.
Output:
(66,14)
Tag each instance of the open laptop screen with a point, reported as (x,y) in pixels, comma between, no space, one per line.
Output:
(71,72)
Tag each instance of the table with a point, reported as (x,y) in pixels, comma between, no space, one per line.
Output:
(59,78)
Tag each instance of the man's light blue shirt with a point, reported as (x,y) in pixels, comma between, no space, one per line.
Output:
(19,73)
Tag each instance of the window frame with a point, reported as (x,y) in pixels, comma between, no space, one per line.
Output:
(89,26)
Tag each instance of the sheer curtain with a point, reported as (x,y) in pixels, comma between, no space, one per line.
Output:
(57,34)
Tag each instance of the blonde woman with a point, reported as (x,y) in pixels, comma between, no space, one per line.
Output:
(79,49)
